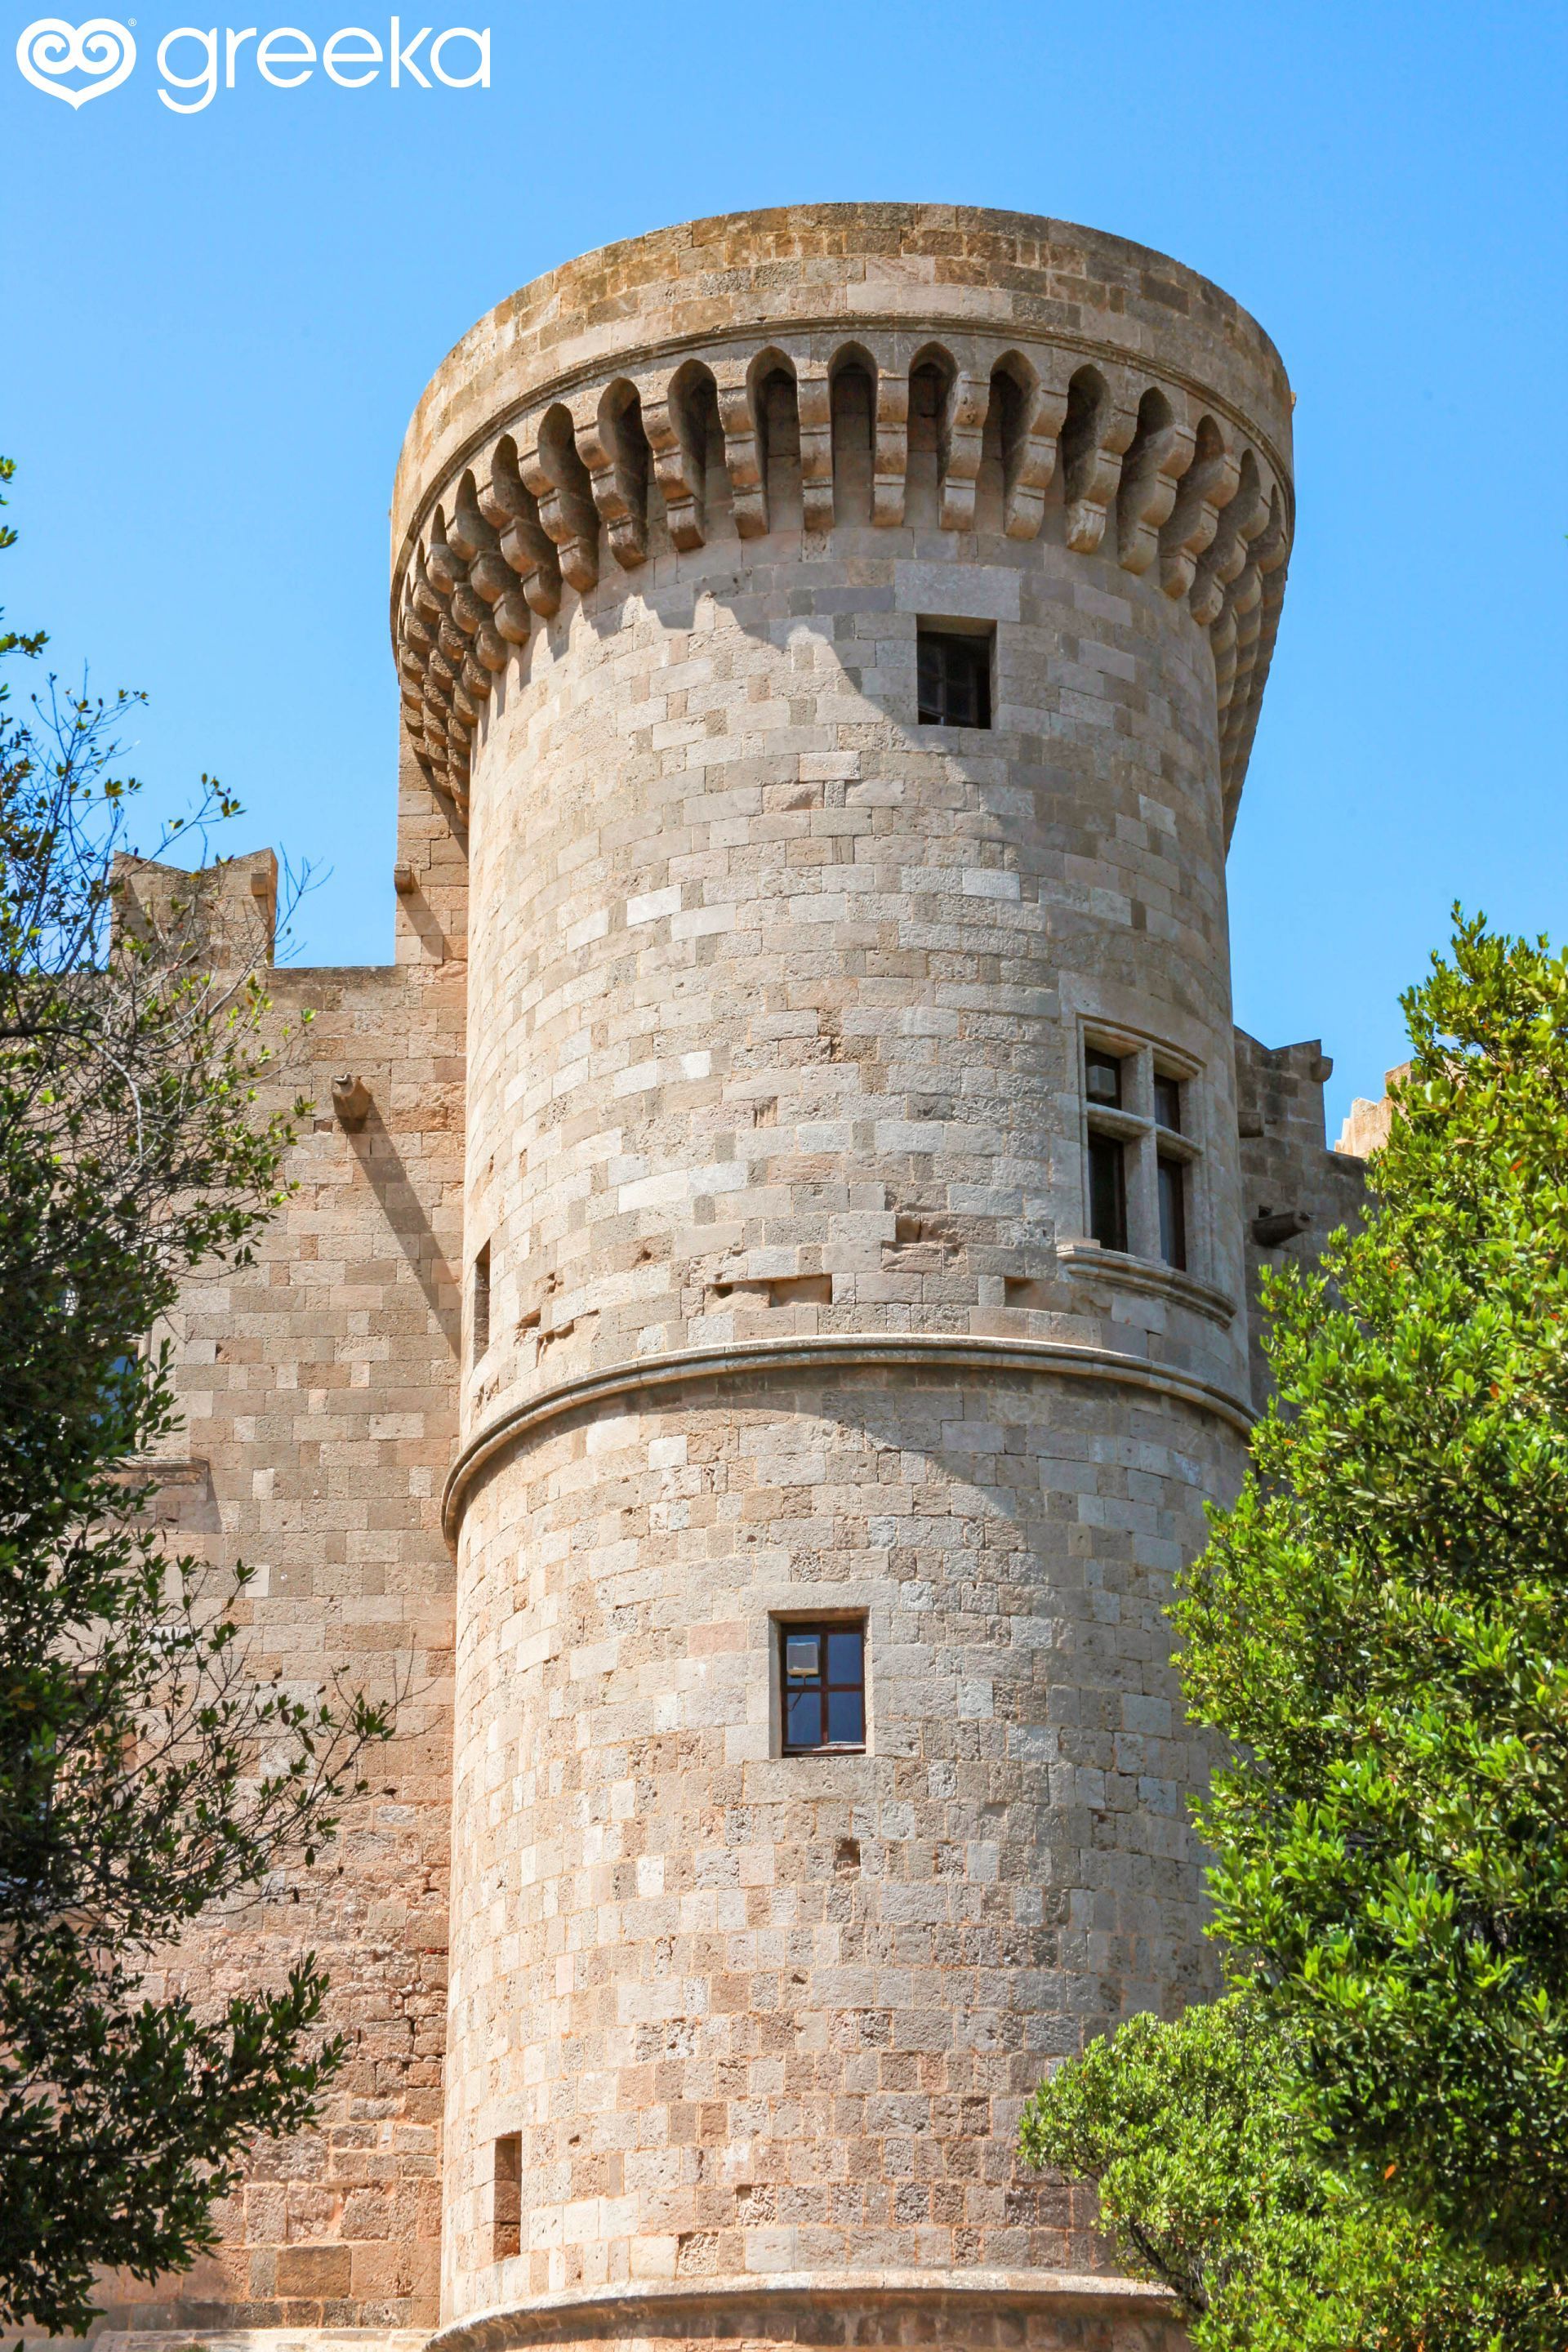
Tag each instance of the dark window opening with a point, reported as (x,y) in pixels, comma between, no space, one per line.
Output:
(1102,1077)
(954,675)
(778,409)
(506,2209)
(854,408)
(1106,1193)
(822,1673)
(1173,1212)
(1168,1102)
(480,1335)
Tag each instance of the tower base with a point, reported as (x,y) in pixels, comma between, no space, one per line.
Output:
(979,2311)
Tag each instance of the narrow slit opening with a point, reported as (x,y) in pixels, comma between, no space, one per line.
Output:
(506,2198)
(479,1321)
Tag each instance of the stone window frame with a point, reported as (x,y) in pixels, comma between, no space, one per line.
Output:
(981,636)
(781,1622)
(506,2198)
(1144,1143)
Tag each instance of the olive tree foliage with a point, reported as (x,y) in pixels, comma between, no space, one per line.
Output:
(146,1772)
(1379,1630)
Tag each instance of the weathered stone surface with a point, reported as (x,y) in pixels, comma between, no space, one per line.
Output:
(701,1237)
(1365,1129)
(319,1393)
(1287,1168)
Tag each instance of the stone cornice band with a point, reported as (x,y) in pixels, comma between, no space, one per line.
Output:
(614,461)
(830,1351)
(936,328)
(645,2311)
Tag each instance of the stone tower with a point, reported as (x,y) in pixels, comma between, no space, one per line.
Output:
(839,633)
(765,1299)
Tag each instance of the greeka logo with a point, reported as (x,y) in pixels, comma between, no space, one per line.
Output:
(189,60)
(51,48)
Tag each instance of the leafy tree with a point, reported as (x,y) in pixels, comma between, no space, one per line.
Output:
(145,1774)
(1212,2182)
(1380,1631)
(1380,1626)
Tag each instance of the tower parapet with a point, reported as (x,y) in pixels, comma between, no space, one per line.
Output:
(838,633)
(907,366)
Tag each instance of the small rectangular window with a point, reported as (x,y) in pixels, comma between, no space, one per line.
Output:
(480,1325)
(1173,1211)
(1168,1102)
(506,2206)
(1106,1193)
(823,1674)
(1102,1077)
(954,679)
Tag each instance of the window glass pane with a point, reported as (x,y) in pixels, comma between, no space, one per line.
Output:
(1168,1102)
(1172,1213)
(824,1706)
(954,679)
(843,1656)
(803,1654)
(1106,1193)
(928,661)
(846,1718)
(804,1724)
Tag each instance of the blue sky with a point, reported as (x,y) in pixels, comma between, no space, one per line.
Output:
(215,326)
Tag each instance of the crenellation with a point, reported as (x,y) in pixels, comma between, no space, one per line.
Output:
(1298,1192)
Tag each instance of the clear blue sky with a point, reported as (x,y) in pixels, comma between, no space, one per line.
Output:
(214,327)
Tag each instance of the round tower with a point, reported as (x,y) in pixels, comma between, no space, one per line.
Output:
(839,633)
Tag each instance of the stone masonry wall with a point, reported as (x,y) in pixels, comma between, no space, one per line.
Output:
(776,2016)
(319,1394)
(1288,1171)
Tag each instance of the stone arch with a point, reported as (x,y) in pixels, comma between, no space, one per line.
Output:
(1159,453)
(490,576)
(443,565)
(688,442)
(1202,493)
(560,481)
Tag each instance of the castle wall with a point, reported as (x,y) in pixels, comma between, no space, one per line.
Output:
(319,1393)
(1289,1175)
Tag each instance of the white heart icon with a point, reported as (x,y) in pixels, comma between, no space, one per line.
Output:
(102,48)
